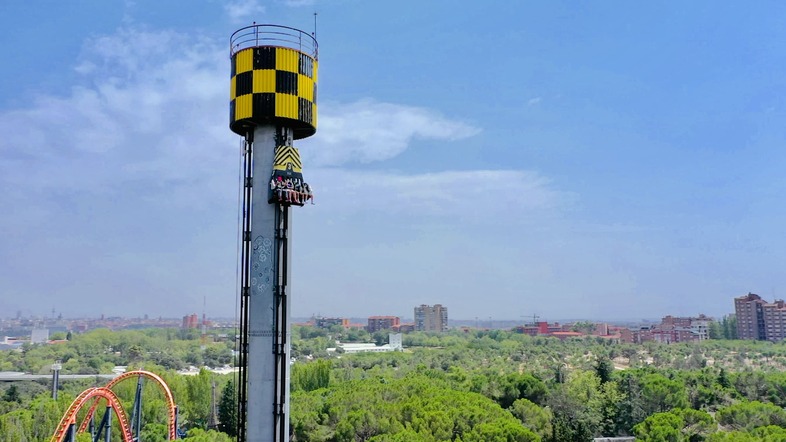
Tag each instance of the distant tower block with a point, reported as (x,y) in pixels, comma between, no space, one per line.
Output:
(271,84)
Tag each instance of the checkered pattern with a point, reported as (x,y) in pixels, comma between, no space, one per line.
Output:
(273,85)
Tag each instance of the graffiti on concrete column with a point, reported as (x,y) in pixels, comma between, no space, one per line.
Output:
(261,265)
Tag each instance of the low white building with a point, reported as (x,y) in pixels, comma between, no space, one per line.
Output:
(394,344)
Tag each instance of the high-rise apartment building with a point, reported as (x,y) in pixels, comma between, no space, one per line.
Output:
(774,320)
(750,317)
(428,318)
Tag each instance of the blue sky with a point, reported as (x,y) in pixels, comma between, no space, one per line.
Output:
(568,159)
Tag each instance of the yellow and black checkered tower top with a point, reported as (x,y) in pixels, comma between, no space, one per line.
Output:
(274,79)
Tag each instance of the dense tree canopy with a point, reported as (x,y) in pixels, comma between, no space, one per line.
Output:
(455,386)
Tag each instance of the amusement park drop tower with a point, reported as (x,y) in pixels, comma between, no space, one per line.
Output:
(273,102)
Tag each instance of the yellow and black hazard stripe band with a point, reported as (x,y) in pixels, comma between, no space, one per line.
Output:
(273,84)
(286,155)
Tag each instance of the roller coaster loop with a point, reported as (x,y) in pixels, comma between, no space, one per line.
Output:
(95,394)
(69,418)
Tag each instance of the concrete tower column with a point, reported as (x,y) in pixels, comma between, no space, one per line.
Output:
(263,379)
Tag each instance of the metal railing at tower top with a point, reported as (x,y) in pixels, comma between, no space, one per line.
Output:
(273,35)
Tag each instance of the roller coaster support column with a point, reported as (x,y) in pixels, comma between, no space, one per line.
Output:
(136,413)
(108,418)
(70,434)
(177,429)
(105,426)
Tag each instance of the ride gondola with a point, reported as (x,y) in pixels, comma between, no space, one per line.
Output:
(287,186)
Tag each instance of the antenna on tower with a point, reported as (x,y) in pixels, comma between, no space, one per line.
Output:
(314,34)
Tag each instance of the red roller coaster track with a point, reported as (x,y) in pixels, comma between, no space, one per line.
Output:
(105,392)
(69,418)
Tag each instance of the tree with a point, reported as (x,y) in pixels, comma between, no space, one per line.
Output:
(751,385)
(506,432)
(660,427)
(723,378)
(227,409)
(423,402)
(586,327)
(85,437)
(580,407)
(12,394)
(217,356)
(154,431)
(697,424)
(135,353)
(715,330)
(660,394)
(769,433)
(604,369)
(46,412)
(407,435)
(533,417)
(519,386)
(679,425)
(381,337)
(729,325)
(200,435)
(17,426)
(311,376)
(199,394)
(750,415)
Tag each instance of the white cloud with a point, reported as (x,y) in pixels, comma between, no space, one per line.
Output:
(367,131)
(240,11)
(148,109)
(298,3)
(534,101)
(469,196)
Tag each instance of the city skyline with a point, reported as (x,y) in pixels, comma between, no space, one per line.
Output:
(343,319)
(571,161)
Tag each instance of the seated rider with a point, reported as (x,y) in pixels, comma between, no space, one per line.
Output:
(308,193)
(280,189)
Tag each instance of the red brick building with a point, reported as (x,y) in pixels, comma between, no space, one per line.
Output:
(750,317)
(376,323)
(670,330)
(191,321)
